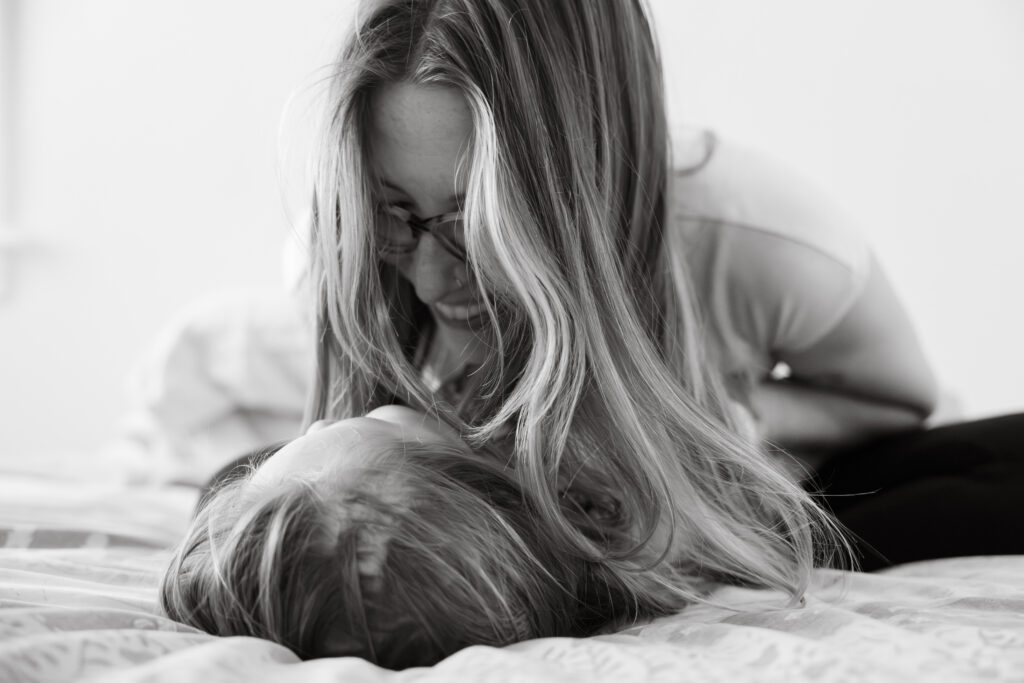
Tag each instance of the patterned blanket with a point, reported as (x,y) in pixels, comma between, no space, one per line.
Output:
(79,566)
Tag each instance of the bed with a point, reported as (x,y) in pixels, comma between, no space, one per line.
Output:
(80,562)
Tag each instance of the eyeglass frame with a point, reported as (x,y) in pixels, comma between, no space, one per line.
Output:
(421,226)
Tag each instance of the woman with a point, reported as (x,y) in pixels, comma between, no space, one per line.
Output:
(500,236)
(492,243)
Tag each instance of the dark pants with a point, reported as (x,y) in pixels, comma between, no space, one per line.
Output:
(944,492)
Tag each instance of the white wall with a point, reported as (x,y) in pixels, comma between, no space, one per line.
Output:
(149,173)
(910,113)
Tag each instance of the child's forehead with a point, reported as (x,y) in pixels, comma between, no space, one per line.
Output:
(345,445)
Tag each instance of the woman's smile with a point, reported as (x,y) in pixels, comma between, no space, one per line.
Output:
(470,315)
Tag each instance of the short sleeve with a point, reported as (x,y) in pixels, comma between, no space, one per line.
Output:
(775,264)
(783,295)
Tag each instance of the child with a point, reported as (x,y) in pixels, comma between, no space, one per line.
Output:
(385,537)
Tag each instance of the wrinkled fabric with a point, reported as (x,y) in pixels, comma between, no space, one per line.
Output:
(80,565)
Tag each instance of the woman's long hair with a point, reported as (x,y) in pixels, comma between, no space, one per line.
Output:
(599,365)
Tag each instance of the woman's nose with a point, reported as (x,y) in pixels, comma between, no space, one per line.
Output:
(432,270)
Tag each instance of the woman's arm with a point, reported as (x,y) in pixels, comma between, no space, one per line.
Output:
(867,377)
(784,274)
(808,419)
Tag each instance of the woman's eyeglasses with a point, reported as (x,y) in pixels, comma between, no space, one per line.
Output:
(399,231)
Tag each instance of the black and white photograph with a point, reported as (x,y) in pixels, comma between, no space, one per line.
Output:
(417,341)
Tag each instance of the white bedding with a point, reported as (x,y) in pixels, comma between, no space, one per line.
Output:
(79,566)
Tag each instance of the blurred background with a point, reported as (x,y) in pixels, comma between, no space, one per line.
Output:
(153,154)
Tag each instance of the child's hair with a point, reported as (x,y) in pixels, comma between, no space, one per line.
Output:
(428,552)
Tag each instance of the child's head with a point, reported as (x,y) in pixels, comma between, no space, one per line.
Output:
(382,537)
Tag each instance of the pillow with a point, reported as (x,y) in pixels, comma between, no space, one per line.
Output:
(226,376)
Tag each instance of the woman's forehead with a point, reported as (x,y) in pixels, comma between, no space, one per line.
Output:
(418,136)
(421,114)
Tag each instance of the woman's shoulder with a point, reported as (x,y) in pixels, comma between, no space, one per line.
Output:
(773,261)
(722,190)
